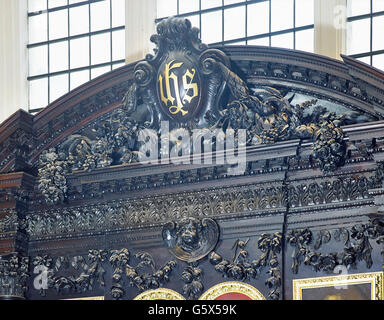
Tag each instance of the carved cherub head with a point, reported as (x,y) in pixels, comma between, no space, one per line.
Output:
(189,234)
(191,239)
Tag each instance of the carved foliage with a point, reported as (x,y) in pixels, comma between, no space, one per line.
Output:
(241,269)
(137,276)
(90,267)
(192,277)
(13,275)
(357,246)
(52,176)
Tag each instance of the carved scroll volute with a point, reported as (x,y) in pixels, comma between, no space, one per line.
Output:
(191,239)
(144,74)
(208,63)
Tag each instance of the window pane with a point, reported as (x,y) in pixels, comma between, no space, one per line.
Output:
(37,5)
(358,7)
(56,3)
(378,61)
(377,33)
(58,24)
(38,60)
(366,60)
(211,27)
(78,78)
(117,65)
(226,2)
(258,18)
(38,93)
(282,41)
(305,40)
(358,36)
(188,6)
(58,86)
(58,56)
(95,72)
(259,42)
(305,13)
(205,4)
(195,20)
(79,52)
(100,48)
(378,5)
(100,15)
(118,45)
(166,8)
(234,23)
(118,13)
(38,28)
(79,20)
(281,14)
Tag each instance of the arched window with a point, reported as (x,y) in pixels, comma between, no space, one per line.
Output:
(365,21)
(71,42)
(278,23)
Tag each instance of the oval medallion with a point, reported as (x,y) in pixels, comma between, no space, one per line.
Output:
(179,87)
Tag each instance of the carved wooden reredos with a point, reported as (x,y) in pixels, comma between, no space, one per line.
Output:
(77,199)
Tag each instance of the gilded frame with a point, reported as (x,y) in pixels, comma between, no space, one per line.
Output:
(373,278)
(159,294)
(229,287)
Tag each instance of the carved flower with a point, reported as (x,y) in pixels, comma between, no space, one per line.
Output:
(357,231)
(117,275)
(130,272)
(276,242)
(313,259)
(158,275)
(117,291)
(119,257)
(222,266)
(235,271)
(187,277)
(273,263)
(329,262)
(249,271)
(349,257)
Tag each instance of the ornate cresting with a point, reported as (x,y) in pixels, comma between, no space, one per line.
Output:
(193,87)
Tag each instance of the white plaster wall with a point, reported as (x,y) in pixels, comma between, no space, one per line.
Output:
(13,57)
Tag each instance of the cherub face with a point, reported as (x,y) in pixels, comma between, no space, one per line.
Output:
(189,235)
